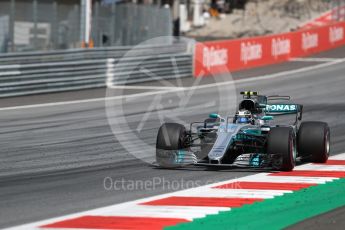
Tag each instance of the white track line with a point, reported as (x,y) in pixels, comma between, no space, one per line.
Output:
(136,209)
(288,179)
(173,89)
(275,75)
(188,212)
(240,193)
(338,157)
(144,87)
(87,100)
(322,167)
(316,59)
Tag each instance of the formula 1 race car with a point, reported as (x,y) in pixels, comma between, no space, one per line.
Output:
(248,139)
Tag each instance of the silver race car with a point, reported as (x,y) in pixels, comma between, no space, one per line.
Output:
(248,139)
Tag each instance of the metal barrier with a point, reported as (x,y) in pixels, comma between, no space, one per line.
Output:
(37,72)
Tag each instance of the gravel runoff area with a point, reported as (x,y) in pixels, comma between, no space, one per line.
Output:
(261,17)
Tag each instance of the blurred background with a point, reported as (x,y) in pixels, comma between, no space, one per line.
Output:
(31,25)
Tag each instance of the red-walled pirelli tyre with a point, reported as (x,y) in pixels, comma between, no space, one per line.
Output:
(281,142)
(313,141)
(170,138)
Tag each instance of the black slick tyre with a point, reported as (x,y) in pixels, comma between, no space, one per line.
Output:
(281,142)
(313,141)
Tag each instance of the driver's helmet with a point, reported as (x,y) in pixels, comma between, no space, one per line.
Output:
(243,117)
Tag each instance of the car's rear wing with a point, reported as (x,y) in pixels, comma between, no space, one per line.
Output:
(284,109)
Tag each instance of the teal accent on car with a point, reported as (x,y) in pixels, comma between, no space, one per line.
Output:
(262,106)
(214,115)
(267,118)
(255,161)
(180,156)
(252,131)
(281,108)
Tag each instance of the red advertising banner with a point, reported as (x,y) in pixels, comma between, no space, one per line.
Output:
(216,57)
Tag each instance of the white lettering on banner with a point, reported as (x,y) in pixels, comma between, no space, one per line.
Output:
(336,34)
(250,52)
(309,40)
(280,47)
(214,57)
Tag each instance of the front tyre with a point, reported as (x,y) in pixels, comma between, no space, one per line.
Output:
(314,141)
(281,142)
(171,137)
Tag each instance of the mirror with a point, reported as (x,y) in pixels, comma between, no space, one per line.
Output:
(214,115)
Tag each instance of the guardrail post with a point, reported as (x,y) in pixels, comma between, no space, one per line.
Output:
(12,20)
(54,33)
(85,22)
(96,33)
(112,24)
(34,18)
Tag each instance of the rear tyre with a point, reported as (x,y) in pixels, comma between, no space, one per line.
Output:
(281,142)
(170,138)
(313,141)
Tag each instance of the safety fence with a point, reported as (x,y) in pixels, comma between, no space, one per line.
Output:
(33,73)
(30,25)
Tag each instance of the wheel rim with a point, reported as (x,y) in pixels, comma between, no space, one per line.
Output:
(327,144)
(293,151)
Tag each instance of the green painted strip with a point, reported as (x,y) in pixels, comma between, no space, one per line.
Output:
(278,212)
